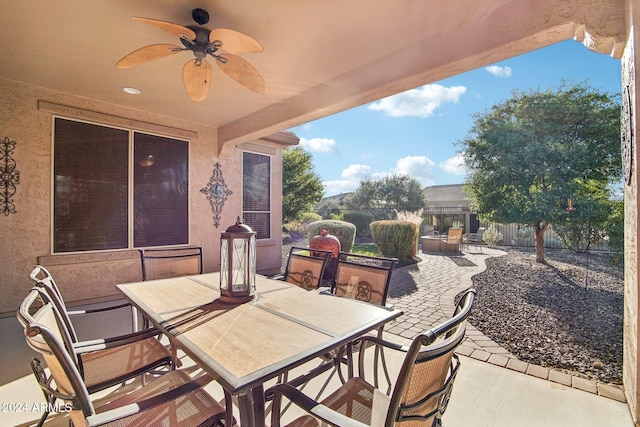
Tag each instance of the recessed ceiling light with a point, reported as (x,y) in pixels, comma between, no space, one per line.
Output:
(131,90)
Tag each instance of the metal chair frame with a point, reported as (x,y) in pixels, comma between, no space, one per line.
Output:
(46,313)
(427,406)
(175,253)
(44,280)
(157,399)
(473,238)
(313,263)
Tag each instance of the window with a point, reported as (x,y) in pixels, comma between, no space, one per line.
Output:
(96,202)
(256,193)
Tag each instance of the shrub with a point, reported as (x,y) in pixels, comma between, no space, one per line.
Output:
(309,217)
(491,236)
(344,231)
(614,227)
(361,220)
(414,218)
(394,238)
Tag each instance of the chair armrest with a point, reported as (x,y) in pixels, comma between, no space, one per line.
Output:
(384,343)
(99,310)
(102,343)
(308,405)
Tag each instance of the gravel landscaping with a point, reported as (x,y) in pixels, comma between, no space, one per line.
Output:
(548,316)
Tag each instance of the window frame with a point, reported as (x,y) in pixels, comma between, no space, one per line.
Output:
(270,199)
(130,184)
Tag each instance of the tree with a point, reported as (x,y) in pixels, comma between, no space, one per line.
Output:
(527,155)
(301,187)
(384,196)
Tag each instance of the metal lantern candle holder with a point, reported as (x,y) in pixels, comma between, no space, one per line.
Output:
(237,264)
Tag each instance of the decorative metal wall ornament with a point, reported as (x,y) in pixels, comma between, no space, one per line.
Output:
(217,192)
(627,135)
(9,176)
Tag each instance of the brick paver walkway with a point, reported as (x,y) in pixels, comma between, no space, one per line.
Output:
(425,292)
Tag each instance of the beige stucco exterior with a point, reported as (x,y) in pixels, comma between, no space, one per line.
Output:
(27,115)
(632,232)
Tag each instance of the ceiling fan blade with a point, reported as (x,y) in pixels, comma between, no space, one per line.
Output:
(148,53)
(235,42)
(197,79)
(175,29)
(243,72)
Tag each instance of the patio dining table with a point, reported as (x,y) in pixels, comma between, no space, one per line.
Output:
(244,345)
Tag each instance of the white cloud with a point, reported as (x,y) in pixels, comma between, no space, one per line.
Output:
(417,167)
(322,145)
(499,71)
(454,165)
(351,177)
(420,102)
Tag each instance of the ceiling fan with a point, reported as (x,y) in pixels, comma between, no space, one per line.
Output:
(221,44)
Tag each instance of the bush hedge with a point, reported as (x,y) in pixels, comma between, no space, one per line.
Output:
(344,231)
(361,220)
(395,239)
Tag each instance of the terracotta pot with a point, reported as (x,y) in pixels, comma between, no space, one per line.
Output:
(327,242)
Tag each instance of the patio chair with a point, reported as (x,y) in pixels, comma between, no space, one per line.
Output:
(365,278)
(420,394)
(360,277)
(305,267)
(475,239)
(160,263)
(44,280)
(452,240)
(172,399)
(101,363)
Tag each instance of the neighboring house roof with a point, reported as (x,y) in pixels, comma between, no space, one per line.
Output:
(337,198)
(446,196)
(331,200)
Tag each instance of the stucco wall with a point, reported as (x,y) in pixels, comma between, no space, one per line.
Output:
(630,122)
(26,117)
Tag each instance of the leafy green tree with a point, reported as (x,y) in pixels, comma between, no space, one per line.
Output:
(526,155)
(615,226)
(302,188)
(383,197)
(585,223)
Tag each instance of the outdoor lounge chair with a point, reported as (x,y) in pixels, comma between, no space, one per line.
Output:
(452,240)
(473,238)
(305,267)
(101,363)
(421,392)
(172,399)
(161,263)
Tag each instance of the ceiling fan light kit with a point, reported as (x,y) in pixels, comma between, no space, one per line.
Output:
(221,44)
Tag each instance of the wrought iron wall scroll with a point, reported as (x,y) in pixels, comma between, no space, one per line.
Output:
(9,176)
(217,192)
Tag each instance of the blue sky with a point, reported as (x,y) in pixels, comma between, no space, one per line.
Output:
(415,132)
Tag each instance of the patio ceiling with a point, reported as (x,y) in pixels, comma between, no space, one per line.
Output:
(320,57)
